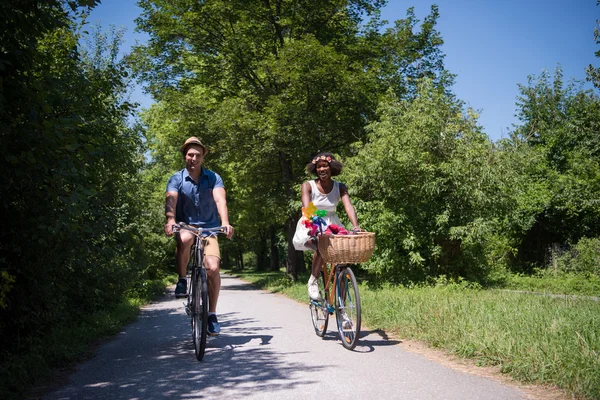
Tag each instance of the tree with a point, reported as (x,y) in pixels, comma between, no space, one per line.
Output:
(426,183)
(560,127)
(268,84)
(593,73)
(70,210)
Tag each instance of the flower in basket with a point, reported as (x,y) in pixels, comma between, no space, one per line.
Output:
(336,230)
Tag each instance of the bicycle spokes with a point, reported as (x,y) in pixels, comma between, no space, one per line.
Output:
(345,302)
(347,308)
(319,309)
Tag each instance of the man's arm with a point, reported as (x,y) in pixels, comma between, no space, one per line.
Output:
(170,209)
(221,201)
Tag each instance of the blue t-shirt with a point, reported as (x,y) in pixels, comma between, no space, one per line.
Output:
(195,202)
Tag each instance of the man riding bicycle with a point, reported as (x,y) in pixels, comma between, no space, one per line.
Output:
(196,196)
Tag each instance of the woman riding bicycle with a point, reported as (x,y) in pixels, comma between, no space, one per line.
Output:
(325,194)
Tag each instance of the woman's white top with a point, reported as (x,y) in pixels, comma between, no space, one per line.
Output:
(327,202)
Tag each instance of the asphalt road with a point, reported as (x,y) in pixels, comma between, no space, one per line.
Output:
(267,350)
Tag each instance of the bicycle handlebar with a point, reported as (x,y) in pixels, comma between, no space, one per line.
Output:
(197,230)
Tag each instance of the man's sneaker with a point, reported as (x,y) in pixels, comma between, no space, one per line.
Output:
(213,325)
(313,288)
(181,288)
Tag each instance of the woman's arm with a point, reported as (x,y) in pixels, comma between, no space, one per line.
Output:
(305,194)
(349,207)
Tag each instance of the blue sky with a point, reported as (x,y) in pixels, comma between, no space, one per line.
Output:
(491,45)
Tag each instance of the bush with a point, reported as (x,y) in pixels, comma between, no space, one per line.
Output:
(584,257)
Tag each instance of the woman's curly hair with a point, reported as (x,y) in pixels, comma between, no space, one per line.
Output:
(335,165)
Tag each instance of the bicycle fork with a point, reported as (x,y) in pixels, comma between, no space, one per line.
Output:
(188,304)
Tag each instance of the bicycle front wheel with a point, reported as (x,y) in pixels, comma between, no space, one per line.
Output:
(347,308)
(318,309)
(199,312)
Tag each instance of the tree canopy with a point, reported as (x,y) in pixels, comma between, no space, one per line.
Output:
(269,84)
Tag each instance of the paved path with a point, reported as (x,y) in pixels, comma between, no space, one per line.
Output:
(267,350)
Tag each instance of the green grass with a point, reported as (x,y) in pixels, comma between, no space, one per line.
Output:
(560,283)
(533,338)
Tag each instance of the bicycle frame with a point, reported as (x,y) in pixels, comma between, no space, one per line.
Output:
(197,299)
(330,278)
(339,294)
(197,249)
(197,263)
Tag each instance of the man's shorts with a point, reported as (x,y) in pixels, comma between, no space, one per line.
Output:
(211,247)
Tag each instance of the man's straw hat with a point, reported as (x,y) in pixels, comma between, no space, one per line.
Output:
(193,140)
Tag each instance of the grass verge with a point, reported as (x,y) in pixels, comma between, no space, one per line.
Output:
(557,283)
(533,338)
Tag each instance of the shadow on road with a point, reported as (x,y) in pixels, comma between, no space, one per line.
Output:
(159,362)
(368,341)
(154,358)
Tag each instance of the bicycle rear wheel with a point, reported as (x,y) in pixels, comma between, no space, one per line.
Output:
(318,309)
(199,312)
(347,310)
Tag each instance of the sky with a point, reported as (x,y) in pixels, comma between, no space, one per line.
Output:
(491,45)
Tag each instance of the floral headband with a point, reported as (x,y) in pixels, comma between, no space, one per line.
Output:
(322,158)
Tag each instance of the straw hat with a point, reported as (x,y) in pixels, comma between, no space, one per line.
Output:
(190,141)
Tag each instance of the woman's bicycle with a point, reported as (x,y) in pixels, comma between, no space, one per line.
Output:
(338,292)
(197,296)
(338,289)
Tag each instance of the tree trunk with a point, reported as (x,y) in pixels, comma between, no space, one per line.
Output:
(225,262)
(274,264)
(240,260)
(262,256)
(291,261)
(295,259)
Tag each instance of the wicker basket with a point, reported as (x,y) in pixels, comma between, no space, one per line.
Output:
(347,249)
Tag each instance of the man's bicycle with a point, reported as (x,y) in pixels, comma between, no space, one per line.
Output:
(197,296)
(338,289)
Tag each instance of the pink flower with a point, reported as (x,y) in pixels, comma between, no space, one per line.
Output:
(323,158)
